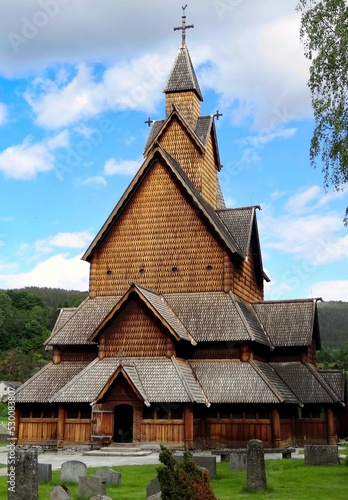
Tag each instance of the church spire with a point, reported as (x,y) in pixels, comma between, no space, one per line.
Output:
(182,88)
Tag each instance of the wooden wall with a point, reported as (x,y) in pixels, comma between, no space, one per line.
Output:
(187,103)
(136,332)
(159,242)
(247,277)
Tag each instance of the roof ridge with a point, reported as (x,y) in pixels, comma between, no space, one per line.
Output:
(323,383)
(284,381)
(266,380)
(73,380)
(241,315)
(178,369)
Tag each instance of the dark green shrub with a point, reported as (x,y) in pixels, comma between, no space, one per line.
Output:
(182,480)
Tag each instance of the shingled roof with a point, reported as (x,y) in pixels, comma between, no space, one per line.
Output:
(48,381)
(156,379)
(288,322)
(182,76)
(239,222)
(306,382)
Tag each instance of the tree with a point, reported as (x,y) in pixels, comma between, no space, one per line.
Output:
(182,481)
(324,33)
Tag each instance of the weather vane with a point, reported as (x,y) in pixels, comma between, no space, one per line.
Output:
(183,26)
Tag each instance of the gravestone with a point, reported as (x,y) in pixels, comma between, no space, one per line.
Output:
(256,472)
(206,461)
(315,454)
(156,496)
(238,460)
(60,492)
(111,476)
(91,486)
(153,487)
(100,497)
(45,473)
(71,471)
(22,475)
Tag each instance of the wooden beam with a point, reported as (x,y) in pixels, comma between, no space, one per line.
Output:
(61,426)
(276,434)
(331,427)
(188,426)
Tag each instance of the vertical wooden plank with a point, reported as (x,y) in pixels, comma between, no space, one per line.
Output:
(276,435)
(188,426)
(331,428)
(61,426)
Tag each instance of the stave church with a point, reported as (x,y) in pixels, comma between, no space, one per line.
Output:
(175,343)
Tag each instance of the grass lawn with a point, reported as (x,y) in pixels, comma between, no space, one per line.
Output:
(286,479)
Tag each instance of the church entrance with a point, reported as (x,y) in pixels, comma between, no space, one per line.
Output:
(123,424)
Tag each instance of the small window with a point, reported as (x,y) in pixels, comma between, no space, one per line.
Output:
(250,414)
(72,413)
(47,413)
(176,413)
(162,414)
(263,415)
(36,413)
(148,413)
(25,413)
(85,412)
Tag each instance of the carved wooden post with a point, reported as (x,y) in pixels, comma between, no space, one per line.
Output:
(276,433)
(330,426)
(16,428)
(188,426)
(60,426)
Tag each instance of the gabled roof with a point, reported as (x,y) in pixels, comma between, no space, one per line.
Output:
(216,316)
(306,382)
(288,322)
(239,222)
(159,126)
(82,322)
(336,380)
(48,381)
(182,76)
(157,305)
(155,379)
(158,153)
(232,381)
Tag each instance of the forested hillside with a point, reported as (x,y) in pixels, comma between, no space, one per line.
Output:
(27,317)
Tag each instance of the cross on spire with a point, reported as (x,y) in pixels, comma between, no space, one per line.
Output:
(183,26)
(149,121)
(217,115)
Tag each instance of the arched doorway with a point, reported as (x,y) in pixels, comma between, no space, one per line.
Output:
(123,424)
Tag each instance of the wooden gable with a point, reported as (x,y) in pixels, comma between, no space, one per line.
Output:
(135,331)
(159,240)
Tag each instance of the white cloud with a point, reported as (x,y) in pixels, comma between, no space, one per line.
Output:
(121,167)
(97,180)
(24,161)
(63,240)
(3,113)
(86,95)
(331,290)
(268,136)
(58,271)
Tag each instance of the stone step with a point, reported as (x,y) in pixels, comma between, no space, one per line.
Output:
(118,452)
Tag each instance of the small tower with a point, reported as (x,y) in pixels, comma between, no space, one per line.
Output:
(182,88)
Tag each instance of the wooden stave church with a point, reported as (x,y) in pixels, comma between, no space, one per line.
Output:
(175,343)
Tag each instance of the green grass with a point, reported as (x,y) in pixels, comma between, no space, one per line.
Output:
(286,479)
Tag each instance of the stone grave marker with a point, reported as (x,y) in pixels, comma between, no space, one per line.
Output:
(256,472)
(45,473)
(238,460)
(316,454)
(111,476)
(60,492)
(91,486)
(72,470)
(206,461)
(23,479)
(100,497)
(153,487)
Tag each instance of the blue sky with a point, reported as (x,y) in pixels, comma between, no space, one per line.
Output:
(78,78)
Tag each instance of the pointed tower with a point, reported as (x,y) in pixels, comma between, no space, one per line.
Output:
(182,88)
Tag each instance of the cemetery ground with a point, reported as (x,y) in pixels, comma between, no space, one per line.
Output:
(286,479)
